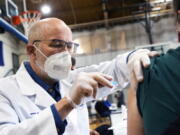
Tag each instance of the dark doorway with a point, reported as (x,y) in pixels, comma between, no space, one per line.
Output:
(15,60)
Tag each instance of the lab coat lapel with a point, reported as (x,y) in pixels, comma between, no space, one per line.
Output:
(43,99)
(30,88)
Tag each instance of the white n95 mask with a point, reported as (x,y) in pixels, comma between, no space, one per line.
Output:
(58,65)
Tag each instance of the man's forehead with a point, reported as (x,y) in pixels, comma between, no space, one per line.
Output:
(50,28)
(58,33)
(55,29)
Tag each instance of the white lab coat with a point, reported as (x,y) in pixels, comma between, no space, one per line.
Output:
(25,106)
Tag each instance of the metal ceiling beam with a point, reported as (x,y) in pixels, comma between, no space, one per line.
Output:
(148,22)
(122,19)
(73,11)
(105,12)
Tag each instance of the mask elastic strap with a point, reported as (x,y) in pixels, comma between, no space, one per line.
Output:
(42,69)
(40,51)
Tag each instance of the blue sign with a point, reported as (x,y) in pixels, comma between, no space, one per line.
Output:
(1,54)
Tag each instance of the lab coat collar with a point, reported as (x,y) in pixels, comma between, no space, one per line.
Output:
(35,77)
(29,87)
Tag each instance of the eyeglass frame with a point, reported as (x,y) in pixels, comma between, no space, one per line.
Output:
(66,43)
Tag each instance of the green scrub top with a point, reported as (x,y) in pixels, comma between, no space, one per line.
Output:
(158,96)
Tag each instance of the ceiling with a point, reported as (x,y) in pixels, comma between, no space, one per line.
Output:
(83,11)
(85,14)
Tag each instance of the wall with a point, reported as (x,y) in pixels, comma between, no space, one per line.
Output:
(22,53)
(125,36)
(10,45)
(86,60)
(95,44)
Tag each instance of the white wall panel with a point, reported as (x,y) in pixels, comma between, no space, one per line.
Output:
(10,45)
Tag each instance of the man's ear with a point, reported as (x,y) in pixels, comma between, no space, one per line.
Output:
(31,50)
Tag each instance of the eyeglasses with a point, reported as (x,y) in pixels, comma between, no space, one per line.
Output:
(57,43)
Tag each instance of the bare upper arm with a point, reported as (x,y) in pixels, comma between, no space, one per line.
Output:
(135,123)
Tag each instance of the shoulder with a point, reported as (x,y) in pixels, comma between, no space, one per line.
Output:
(7,83)
(161,67)
(158,95)
(157,77)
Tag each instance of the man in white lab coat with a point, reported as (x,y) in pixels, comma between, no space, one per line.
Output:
(44,97)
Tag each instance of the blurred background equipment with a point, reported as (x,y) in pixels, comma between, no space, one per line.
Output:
(11,8)
(104,130)
(8,9)
(27,19)
(102,108)
(120,98)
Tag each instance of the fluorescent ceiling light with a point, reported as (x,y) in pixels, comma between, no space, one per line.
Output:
(162,1)
(45,9)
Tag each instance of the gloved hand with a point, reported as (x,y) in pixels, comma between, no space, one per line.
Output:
(87,84)
(138,59)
